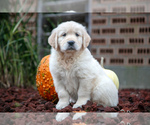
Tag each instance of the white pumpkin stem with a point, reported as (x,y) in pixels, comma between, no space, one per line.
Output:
(102,62)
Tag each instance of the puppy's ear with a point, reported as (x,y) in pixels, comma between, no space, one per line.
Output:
(86,39)
(52,40)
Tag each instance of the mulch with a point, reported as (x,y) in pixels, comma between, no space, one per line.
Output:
(16,99)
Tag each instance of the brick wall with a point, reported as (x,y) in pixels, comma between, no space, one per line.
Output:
(23,7)
(122,39)
(121,6)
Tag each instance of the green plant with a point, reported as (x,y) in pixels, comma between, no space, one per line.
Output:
(18,57)
(16,104)
(48,25)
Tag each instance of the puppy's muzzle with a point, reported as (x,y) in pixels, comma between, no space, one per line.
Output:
(71,45)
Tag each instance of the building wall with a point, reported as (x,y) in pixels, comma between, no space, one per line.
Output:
(121,6)
(122,39)
(120,31)
(25,7)
(124,42)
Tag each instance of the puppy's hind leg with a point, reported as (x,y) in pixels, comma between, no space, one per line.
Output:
(105,94)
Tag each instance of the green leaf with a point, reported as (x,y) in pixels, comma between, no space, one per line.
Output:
(17,104)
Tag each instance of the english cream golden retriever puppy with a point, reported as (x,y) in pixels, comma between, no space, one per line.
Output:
(78,77)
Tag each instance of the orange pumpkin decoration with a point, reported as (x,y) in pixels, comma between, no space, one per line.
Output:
(44,81)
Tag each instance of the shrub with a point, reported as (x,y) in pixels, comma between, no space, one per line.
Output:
(18,55)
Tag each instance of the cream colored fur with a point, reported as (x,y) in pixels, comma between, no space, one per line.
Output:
(78,77)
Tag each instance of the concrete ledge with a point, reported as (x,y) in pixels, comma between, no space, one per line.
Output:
(132,76)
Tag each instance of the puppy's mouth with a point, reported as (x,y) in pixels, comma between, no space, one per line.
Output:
(71,48)
(71,45)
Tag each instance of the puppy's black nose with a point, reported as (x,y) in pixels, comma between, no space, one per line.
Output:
(71,43)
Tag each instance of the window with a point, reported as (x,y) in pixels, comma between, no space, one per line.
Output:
(106,51)
(143,51)
(136,9)
(108,31)
(137,20)
(99,10)
(119,20)
(117,41)
(127,30)
(144,30)
(99,21)
(93,51)
(99,60)
(125,51)
(116,61)
(136,40)
(135,61)
(98,41)
(119,9)
(96,31)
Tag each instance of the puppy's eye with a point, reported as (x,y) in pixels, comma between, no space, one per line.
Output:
(77,34)
(64,34)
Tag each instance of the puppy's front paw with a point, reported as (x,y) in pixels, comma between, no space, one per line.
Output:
(61,116)
(78,115)
(77,106)
(61,105)
(72,100)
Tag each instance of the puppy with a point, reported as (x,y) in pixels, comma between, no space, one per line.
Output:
(78,77)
